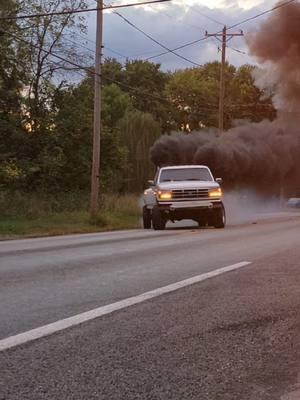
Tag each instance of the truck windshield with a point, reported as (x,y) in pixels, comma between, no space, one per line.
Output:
(185,174)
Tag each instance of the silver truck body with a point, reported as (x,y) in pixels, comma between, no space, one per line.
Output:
(184,197)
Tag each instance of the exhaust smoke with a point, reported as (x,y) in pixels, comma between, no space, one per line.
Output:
(246,206)
(264,155)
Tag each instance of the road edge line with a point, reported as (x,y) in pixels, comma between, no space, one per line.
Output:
(58,326)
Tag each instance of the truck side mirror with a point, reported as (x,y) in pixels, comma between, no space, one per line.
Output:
(219,181)
(151,183)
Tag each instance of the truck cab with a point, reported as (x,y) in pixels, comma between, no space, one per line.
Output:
(184,192)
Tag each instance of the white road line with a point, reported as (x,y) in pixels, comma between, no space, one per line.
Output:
(58,326)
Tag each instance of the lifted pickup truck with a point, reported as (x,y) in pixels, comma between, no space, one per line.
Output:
(184,192)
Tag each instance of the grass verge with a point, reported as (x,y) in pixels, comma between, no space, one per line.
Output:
(32,217)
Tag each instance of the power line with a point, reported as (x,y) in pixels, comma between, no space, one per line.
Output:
(208,107)
(154,40)
(151,38)
(194,27)
(84,46)
(230,27)
(177,48)
(75,44)
(93,51)
(206,16)
(162,45)
(280,5)
(115,52)
(144,53)
(80,67)
(225,37)
(78,11)
(237,50)
(48,52)
(138,91)
(87,39)
(78,44)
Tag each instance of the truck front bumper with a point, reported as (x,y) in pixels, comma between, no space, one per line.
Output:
(189,205)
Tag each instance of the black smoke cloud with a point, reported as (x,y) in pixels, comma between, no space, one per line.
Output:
(265,153)
(256,154)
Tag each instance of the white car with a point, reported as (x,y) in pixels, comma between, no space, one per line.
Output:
(294,202)
(184,192)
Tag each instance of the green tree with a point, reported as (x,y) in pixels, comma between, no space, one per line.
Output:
(12,79)
(73,133)
(150,97)
(112,71)
(195,94)
(34,156)
(48,35)
(115,102)
(145,83)
(247,101)
(139,132)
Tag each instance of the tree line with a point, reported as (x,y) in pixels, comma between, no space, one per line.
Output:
(46,104)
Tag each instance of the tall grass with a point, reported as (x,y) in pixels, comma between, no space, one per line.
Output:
(38,204)
(38,214)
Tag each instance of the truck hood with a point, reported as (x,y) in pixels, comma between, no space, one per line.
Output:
(187,185)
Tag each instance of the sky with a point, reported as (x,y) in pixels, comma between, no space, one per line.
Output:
(175,23)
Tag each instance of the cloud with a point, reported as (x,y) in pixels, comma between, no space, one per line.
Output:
(177,23)
(244,4)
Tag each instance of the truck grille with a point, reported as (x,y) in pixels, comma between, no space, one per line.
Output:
(189,194)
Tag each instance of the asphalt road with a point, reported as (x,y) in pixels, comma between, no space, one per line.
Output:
(235,336)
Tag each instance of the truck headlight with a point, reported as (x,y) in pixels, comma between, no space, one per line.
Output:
(215,192)
(164,195)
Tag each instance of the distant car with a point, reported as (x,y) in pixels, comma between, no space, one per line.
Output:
(294,202)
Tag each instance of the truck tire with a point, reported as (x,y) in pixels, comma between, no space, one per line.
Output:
(203,221)
(219,218)
(146,218)
(158,221)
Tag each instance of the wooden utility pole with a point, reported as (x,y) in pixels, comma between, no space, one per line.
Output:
(97,113)
(225,37)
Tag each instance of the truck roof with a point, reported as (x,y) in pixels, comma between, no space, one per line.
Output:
(185,166)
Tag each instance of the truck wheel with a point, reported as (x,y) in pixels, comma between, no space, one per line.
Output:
(219,219)
(203,221)
(158,220)
(146,218)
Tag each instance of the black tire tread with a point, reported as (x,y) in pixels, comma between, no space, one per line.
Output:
(219,223)
(158,222)
(147,220)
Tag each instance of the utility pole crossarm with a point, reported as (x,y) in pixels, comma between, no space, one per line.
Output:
(225,38)
(221,34)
